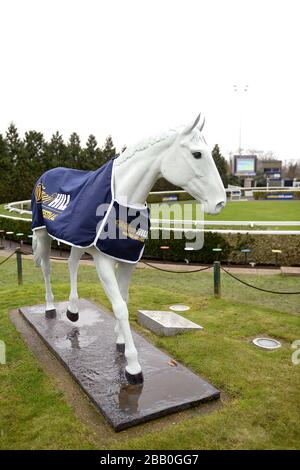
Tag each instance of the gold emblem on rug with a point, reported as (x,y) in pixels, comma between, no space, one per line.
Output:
(38,192)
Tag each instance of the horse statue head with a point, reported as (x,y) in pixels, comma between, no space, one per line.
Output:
(188,163)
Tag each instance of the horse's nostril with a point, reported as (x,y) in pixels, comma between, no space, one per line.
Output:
(220,205)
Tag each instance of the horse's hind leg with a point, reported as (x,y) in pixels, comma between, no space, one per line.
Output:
(44,252)
(72,312)
(106,270)
(124,272)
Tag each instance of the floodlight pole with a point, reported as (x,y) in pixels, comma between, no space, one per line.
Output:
(240,90)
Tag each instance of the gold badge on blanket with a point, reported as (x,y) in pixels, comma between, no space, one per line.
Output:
(38,192)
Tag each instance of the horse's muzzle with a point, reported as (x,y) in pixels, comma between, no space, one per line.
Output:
(220,206)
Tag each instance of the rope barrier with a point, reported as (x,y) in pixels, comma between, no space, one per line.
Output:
(51,257)
(148,264)
(179,272)
(26,253)
(6,259)
(176,272)
(255,287)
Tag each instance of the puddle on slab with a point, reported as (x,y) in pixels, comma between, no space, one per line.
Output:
(87,317)
(75,339)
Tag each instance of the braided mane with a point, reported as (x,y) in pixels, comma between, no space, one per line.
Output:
(143,145)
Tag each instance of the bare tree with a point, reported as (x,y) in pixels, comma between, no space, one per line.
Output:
(291,169)
(262,154)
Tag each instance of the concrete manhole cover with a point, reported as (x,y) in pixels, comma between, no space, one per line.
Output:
(267,343)
(179,308)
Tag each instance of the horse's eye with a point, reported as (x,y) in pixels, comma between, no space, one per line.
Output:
(197,155)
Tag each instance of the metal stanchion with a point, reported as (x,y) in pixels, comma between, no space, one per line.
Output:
(2,232)
(246,251)
(9,235)
(19,266)
(217,279)
(20,235)
(277,253)
(188,249)
(217,251)
(164,248)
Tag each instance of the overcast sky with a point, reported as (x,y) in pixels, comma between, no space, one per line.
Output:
(130,68)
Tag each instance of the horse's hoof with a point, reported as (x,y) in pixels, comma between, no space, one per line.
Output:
(50,313)
(134,379)
(120,347)
(72,316)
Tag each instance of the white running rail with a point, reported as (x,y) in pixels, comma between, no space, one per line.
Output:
(168,224)
(261,223)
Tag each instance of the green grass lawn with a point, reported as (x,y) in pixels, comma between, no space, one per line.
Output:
(14,214)
(248,210)
(255,210)
(259,210)
(262,409)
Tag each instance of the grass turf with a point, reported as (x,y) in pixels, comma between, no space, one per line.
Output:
(237,210)
(245,210)
(263,409)
(259,210)
(12,214)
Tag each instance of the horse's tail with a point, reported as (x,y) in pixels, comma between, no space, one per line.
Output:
(36,256)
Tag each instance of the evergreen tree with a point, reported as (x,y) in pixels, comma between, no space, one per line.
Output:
(221,164)
(15,154)
(55,152)
(32,162)
(74,151)
(91,155)
(23,161)
(234,180)
(108,150)
(6,171)
(34,145)
(14,143)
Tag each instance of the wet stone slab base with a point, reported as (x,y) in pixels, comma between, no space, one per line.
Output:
(87,349)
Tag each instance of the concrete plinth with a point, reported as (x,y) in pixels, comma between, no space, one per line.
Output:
(87,349)
(165,323)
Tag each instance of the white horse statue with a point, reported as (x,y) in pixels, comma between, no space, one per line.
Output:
(183,158)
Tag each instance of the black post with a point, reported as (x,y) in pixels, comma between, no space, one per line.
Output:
(19,266)
(1,239)
(217,279)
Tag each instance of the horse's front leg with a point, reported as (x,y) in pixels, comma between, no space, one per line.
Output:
(73,262)
(124,273)
(106,270)
(42,254)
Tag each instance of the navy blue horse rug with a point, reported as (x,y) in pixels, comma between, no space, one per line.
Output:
(78,208)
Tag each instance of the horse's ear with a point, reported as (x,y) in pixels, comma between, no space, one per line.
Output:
(187,130)
(201,124)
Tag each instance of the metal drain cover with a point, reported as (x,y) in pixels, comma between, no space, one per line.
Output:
(179,308)
(267,343)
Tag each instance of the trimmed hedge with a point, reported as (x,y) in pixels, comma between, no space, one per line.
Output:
(16,226)
(181,195)
(231,244)
(262,246)
(176,252)
(263,194)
